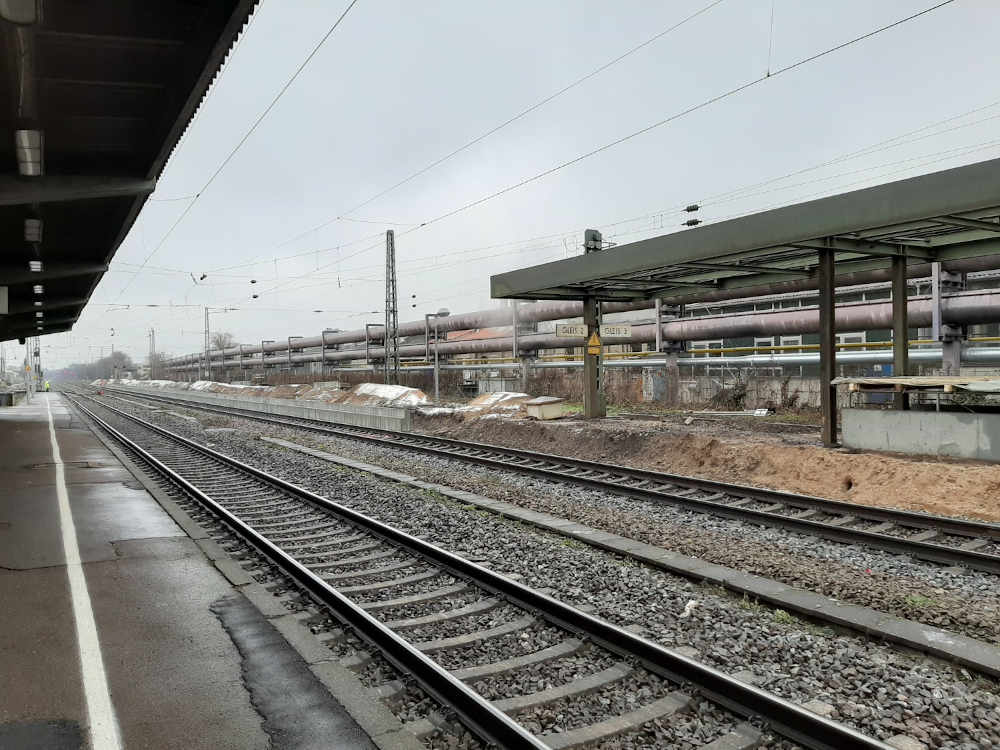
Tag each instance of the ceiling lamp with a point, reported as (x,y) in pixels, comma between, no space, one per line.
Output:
(21,12)
(35,266)
(39,314)
(38,303)
(38,289)
(28,144)
(32,230)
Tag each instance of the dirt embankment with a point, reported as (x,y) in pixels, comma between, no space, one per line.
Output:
(946,487)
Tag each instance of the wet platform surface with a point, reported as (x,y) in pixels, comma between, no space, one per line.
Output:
(174,676)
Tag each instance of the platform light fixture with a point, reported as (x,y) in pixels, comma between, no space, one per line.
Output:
(35,266)
(32,230)
(39,314)
(28,144)
(38,303)
(38,289)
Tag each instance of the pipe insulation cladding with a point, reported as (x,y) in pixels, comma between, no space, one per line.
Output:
(964,308)
(561,310)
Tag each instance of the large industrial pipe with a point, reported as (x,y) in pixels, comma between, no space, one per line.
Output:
(977,355)
(963,308)
(561,310)
(914,271)
(526,313)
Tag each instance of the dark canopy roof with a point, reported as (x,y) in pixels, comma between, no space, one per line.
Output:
(97,94)
(941,216)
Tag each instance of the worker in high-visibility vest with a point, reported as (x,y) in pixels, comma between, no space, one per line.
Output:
(47,386)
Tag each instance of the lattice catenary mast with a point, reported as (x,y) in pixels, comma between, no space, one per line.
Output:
(391,339)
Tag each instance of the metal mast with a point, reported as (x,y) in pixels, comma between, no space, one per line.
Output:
(36,360)
(208,359)
(391,340)
(152,354)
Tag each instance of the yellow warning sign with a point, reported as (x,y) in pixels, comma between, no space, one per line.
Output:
(594,344)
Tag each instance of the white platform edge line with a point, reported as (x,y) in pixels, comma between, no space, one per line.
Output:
(104,732)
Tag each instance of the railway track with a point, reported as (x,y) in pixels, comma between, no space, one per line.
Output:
(423,608)
(940,539)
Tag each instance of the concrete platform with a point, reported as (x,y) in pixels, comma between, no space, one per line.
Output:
(157,669)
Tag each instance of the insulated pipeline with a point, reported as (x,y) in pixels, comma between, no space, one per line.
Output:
(959,309)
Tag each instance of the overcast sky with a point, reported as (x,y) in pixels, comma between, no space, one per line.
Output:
(400,84)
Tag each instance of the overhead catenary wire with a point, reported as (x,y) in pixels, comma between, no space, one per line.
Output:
(714,199)
(868,149)
(331,248)
(311,252)
(239,145)
(509,121)
(676,116)
(435,263)
(706,201)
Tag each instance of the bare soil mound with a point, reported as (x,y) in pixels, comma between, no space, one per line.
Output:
(946,487)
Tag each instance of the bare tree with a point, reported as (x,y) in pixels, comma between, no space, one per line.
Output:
(223,340)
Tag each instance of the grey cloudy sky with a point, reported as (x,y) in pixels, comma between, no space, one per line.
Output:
(400,83)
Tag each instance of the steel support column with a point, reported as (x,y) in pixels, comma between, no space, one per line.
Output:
(437,363)
(827,348)
(658,317)
(900,329)
(593,398)
(513,331)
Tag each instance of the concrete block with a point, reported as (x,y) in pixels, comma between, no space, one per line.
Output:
(953,434)
(297,633)
(379,417)
(233,572)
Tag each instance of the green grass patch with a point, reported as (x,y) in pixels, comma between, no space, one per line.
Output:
(782,617)
(920,602)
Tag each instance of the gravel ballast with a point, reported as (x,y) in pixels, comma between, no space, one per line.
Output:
(875,687)
(960,600)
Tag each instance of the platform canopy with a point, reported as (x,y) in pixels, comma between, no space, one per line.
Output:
(94,96)
(942,216)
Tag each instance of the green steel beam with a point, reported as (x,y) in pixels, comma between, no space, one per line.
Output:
(975,187)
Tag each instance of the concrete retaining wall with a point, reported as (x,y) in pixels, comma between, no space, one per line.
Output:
(923,432)
(378,417)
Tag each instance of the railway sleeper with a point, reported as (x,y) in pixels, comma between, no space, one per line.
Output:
(362,560)
(427,596)
(325,549)
(477,607)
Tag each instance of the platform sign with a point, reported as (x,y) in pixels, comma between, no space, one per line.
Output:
(594,344)
(621,331)
(571,330)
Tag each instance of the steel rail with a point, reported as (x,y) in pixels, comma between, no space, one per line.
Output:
(476,712)
(611,478)
(784,717)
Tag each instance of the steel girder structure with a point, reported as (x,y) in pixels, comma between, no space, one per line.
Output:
(95,96)
(943,216)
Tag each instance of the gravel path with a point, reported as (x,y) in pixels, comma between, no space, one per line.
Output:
(877,688)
